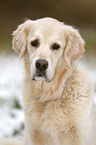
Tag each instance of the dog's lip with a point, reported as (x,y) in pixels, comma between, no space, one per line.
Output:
(40,76)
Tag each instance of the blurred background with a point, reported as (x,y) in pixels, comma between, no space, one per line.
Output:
(79,13)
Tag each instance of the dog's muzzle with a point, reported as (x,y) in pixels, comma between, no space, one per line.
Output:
(41,67)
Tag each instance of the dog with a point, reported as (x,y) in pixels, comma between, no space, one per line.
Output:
(57,92)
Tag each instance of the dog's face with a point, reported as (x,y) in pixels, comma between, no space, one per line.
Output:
(47,43)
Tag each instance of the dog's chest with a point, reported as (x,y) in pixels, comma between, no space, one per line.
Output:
(48,116)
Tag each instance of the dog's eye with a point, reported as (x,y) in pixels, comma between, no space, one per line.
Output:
(35,43)
(55,46)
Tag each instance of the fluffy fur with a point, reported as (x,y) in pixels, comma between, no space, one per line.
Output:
(59,107)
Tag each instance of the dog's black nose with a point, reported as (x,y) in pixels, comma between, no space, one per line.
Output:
(41,65)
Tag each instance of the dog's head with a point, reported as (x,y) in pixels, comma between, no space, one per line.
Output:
(48,45)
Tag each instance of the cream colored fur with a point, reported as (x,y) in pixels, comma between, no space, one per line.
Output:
(59,109)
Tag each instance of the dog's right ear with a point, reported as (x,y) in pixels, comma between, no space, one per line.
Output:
(20,37)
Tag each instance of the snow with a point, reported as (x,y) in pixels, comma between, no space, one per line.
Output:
(90,67)
(11,113)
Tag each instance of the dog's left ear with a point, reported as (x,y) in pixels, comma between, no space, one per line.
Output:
(74,44)
(20,37)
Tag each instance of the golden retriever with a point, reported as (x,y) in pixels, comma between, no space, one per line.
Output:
(57,93)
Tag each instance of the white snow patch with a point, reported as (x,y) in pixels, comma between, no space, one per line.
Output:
(11,72)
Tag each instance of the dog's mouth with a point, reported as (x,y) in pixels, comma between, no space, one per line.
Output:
(40,76)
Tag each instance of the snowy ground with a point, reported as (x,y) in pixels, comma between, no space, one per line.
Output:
(11,114)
